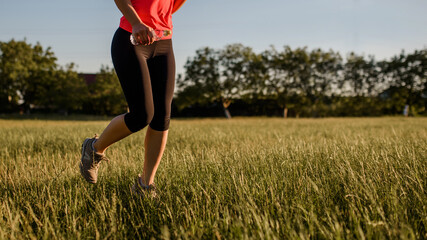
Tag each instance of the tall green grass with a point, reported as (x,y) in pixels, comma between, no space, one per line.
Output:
(245,178)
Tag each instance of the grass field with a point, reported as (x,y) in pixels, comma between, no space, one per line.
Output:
(245,178)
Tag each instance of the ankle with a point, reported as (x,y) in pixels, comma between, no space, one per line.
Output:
(143,184)
(96,148)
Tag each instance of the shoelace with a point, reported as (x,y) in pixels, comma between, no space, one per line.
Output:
(99,157)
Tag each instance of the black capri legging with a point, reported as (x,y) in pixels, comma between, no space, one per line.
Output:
(147,77)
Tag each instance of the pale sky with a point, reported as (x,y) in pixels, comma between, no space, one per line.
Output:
(80,31)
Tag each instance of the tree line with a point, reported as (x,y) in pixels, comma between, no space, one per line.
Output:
(302,82)
(32,81)
(233,80)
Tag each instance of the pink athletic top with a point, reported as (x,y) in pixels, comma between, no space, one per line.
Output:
(156,14)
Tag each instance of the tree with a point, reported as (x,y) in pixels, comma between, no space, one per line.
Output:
(238,74)
(361,84)
(278,83)
(70,92)
(201,83)
(362,75)
(301,73)
(408,79)
(105,94)
(326,67)
(22,68)
(29,76)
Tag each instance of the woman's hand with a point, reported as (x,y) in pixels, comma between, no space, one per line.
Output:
(142,34)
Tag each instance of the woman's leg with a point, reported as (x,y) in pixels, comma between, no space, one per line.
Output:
(133,73)
(155,143)
(115,131)
(131,66)
(162,75)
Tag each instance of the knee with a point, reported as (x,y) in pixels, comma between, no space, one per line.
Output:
(136,121)
(160,123)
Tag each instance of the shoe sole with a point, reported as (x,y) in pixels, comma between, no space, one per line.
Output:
(135,192)
(81,160)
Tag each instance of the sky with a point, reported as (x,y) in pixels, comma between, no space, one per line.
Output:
(80,31)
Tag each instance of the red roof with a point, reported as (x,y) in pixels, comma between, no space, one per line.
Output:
(89,78)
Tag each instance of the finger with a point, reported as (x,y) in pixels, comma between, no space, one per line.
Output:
(136,38)
(152,37)
(148,39)
(143,37)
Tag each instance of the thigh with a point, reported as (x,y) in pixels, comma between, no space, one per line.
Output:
(132,70)
(162,75)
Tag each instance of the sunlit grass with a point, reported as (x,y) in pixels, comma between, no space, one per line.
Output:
(250,178)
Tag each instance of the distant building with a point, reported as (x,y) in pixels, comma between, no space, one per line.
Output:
(89,78)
